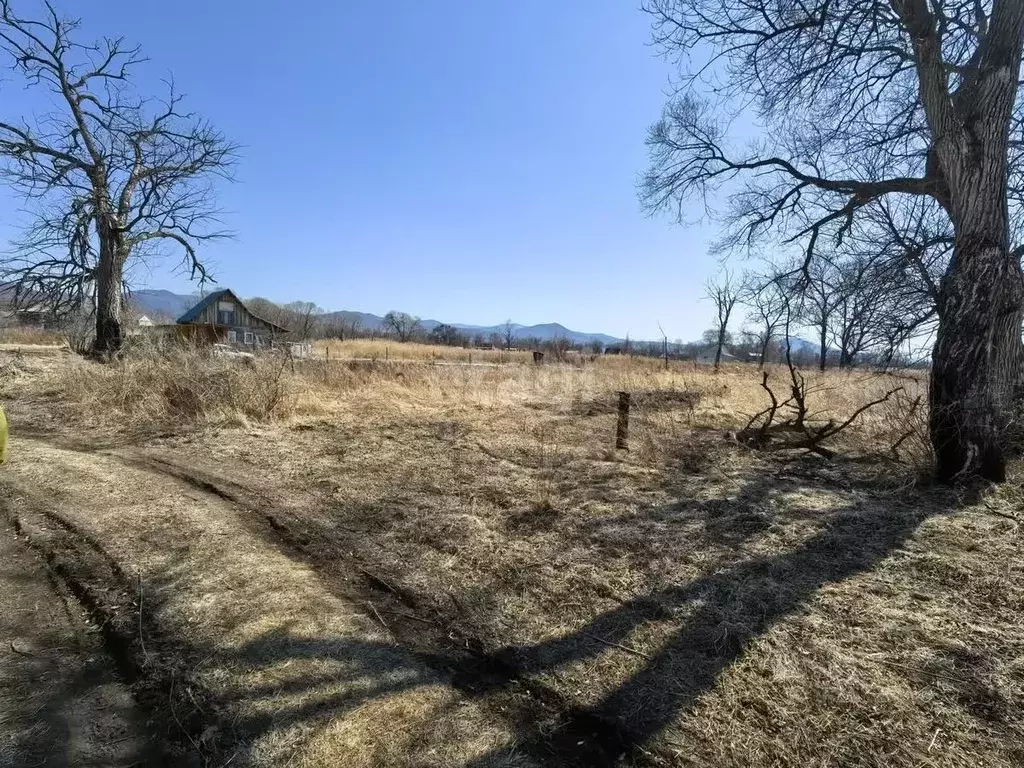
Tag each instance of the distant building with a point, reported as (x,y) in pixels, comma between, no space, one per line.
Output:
(28,308)
(145,322)
(706,355)
(222,318)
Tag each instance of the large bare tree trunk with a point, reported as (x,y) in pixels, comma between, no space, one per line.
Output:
(976,364)
(109,290)
(977,360)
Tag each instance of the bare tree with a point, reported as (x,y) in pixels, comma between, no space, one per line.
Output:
(113,175)
(724,292)
(664,344)
(508,332)
(819,299)
(303,318)
(402,324)
(448,335)
(768,300)
(868,100)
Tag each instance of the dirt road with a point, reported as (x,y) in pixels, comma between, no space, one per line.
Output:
(61,700)
(244,651)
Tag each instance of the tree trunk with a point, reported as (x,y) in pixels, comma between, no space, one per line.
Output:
(764,351)
(718,350)
(109,290)
(977,361)
(822,347)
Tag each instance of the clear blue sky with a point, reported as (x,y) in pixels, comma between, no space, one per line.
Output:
(464,161)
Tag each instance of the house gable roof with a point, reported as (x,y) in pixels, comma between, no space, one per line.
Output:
(226,293)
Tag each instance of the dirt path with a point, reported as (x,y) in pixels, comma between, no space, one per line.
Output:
(61,701)
(247,653)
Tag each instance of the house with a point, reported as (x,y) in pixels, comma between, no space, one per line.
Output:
(222,318)
(26,309)
(706,355)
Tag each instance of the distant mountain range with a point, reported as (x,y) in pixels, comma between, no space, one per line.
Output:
(170,306)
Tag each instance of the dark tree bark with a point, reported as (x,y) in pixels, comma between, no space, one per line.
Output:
(764,352)
(976,370)
(870,101)
(977,357)
(109,289)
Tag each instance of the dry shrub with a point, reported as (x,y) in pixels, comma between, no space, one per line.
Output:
(30,336)
(907,416)
(176,386)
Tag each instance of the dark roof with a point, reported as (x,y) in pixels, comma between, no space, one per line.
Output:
(192,314)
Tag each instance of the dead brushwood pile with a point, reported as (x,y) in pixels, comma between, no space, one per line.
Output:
(790,425)
(410,564)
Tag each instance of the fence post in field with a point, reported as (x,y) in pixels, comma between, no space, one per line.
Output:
(385,353)
(622,427)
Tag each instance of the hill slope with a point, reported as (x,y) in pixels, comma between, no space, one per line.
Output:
(168,303)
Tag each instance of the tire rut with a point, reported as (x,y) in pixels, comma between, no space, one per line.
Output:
(145,659)
(577,736)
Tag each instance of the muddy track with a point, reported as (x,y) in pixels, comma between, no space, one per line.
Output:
(145,660)
(573,736)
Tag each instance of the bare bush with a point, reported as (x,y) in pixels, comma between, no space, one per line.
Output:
(175,387)
(789,424)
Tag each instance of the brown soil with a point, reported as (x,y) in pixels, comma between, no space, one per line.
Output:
(62,701)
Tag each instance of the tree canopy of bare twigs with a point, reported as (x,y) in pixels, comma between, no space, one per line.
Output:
(403,325)
(724,292)
(112,176)
(869,108)
(768,300)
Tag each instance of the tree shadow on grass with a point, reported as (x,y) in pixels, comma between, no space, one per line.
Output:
(711,621)
(727,611)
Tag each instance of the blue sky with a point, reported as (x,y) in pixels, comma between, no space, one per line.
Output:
(468,162)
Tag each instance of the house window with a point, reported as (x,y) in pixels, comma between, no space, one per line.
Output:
(248,337)
(225,313)
(232,337)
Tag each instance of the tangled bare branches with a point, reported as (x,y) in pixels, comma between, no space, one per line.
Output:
(113,176)
(789,425)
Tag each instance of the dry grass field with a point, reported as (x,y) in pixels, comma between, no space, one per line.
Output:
(419,562)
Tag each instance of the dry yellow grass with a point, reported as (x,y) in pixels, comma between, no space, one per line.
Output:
(30,336)
(418,564)
(385,349)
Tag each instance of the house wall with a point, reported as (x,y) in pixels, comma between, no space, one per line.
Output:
(197,334)
(244,328)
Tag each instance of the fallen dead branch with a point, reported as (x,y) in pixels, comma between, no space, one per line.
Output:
(621,647)
(788,425)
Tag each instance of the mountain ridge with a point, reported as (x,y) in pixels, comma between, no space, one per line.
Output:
(170,304)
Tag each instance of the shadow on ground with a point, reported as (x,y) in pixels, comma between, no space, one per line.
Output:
(710,622)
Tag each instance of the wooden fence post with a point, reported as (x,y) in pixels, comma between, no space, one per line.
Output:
(622,427)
